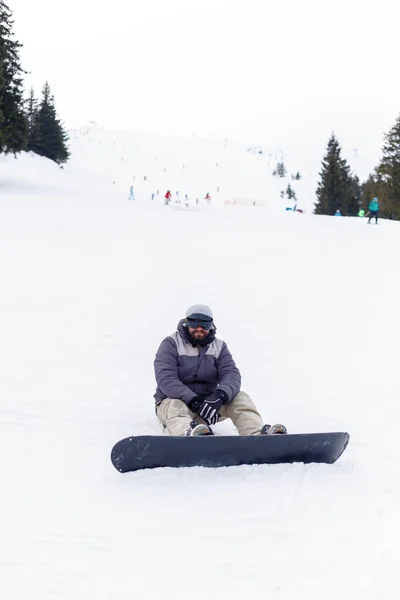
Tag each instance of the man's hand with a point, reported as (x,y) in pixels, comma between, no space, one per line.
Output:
(195,404)
(211,405)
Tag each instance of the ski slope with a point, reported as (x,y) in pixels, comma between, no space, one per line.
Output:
(229,171)
(91,283)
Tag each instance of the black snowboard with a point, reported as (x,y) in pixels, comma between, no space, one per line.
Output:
(150,451)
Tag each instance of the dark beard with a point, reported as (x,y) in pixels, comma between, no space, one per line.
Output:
(203,342)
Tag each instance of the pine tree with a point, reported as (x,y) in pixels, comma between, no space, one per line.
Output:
(31,118)
(290,193)
(48,135)
(388,173)
(354,198)
(281,169)
(2,139)
(384,181)
(338,188)
(12,118)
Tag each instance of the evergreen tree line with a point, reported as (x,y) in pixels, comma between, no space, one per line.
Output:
(339,189)
(25,124)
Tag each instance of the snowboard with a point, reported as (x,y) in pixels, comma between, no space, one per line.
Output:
(152,451)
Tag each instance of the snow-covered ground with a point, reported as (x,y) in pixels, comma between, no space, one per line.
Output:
(90,284)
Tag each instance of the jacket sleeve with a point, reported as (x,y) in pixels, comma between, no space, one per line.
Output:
(166,372)
(229,375)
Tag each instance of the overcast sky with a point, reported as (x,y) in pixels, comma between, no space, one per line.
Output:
(254,70)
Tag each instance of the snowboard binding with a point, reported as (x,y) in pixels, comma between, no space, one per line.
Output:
(278,428)
(198,429)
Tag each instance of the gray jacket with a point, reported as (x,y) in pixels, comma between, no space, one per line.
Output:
(184,370)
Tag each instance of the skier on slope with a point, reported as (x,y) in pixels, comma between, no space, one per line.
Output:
(198,383)
(373,210)
(167,197)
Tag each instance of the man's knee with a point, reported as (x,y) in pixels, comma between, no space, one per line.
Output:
(244,414)
(242,399)
(241,402)
(172,407)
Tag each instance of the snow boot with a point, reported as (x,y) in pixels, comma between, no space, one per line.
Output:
(200,429)
(278,428)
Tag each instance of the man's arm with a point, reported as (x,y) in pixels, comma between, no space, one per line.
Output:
(229,375)
(166,371)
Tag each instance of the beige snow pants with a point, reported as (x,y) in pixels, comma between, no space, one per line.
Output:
(175,415)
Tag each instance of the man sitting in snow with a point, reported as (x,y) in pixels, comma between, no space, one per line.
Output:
(198,383)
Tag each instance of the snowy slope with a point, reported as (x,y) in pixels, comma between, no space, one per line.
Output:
(230,172)
(91,283)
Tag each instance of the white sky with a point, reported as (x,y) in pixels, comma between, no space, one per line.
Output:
(261,71)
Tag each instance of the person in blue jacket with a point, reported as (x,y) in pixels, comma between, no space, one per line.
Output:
(373,210)
(338,213)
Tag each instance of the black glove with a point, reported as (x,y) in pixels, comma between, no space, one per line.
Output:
(209,408)
(194,404)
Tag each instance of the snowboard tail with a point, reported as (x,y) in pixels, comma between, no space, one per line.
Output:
(149,452)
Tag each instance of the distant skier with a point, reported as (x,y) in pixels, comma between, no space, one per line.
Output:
(186,200)
(361,212)
(373,210)
(167,197)
(198,383)
(131,193)
(338,213)
(207,198)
